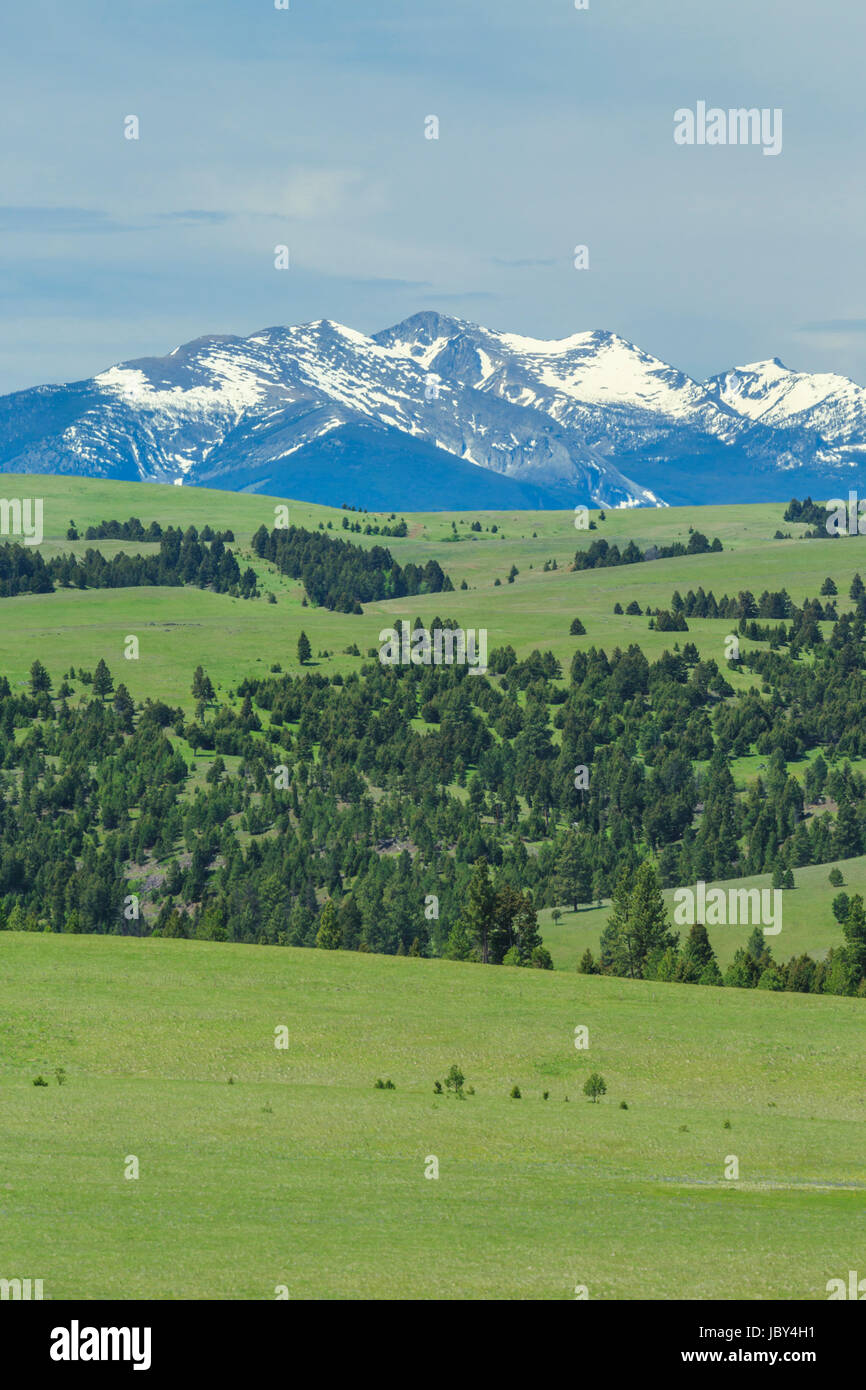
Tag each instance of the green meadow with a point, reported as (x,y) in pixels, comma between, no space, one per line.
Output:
(260,1167)
(180,628)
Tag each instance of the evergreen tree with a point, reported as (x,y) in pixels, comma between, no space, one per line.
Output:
(459,944)
(587,964)
(39,679)
(125,707)
(103,684)
(202,688)
(854,930)
(840,906)
(617,955)
(744,971)
(649,918)
(697,955)
(478,917)
(573,874)
(637,932)
(329,936)
(350,924)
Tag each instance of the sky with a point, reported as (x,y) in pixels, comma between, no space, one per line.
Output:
(305,127)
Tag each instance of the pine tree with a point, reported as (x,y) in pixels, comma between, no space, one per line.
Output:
(39,679)
(103,684)
(757,948)
(202,689)
(717,836)
(697,955)
(458,945)
(124,705)
(573,877)
(637,928)
(743,971)
(854,929)
(479,913)
(617,954)
(351,924)
(329,937)
(305,651)
(847,838)
(840,906)
(649,915)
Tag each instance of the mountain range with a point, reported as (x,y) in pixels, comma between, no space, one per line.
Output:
(437,413)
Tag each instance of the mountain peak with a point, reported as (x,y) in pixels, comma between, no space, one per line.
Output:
(561,416)
(424,328)
(771,366)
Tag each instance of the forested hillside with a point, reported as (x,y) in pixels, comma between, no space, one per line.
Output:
(423,810)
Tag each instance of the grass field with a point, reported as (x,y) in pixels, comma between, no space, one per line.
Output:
(178,628)
(301,1174)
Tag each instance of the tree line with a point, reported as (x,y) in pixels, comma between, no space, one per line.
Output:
(342,576)
(183,558)
(602,554)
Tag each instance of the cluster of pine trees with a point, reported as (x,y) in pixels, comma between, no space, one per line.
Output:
(601,554)
(778,604)
(134,530)
(496,925)
(809,511)
(183,558)
(669,621)
(341,576)
(392,527)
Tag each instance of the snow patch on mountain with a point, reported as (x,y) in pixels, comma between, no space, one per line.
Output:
(589,418)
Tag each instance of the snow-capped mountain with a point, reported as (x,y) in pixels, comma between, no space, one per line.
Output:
(440,413)
(817,404)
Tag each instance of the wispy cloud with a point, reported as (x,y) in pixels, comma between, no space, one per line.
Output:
(195,215)
(66,221)
(384,283)
(55,220)
(835,326)
(459,298)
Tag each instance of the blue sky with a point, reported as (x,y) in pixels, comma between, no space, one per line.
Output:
(306,127)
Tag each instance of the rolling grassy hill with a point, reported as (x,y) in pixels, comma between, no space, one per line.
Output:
(178,628)
(300,1173)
